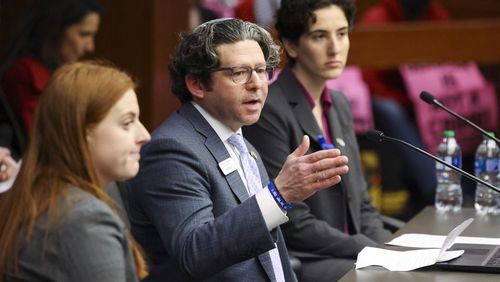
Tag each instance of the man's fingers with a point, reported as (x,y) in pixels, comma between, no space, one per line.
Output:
(335,171)
(4,152)
(302,148)
(303,175)
(10,162)
(321,155)
(330,166)
(327,173)
(328,182)
(328,163)
(3,167)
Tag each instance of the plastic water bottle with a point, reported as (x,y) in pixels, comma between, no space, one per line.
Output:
(449,190)
(486,168)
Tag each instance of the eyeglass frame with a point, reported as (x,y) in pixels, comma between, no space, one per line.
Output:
(249,70)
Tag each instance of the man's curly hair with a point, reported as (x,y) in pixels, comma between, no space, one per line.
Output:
(196,53)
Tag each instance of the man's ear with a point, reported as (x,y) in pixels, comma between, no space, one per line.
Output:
(195,86)
(290,48)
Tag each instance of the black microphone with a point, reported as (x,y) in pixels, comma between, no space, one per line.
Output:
(429,99)
(379,136)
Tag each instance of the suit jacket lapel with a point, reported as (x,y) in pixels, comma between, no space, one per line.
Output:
(334,121)
(298,102)
(219,152)
(300,107)
(216,148)
(267,264)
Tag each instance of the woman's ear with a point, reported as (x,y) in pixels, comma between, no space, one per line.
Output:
(195,87)
(89,136)
(290,48)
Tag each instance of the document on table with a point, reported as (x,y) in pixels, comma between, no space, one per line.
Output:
(413,240)
(402,261)
(413,259)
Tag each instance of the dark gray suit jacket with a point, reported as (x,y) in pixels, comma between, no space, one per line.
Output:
(194,222)
(88,242)
(316,225)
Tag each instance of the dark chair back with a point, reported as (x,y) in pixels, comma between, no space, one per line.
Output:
(11,134)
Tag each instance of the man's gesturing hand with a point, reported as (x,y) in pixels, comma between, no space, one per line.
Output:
(303,175)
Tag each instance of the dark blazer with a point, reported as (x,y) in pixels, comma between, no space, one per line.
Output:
(194,222)
(316,225)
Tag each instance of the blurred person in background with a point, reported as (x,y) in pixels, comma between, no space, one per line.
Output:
(55,32)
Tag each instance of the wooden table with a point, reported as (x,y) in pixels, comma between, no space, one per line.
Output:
(429,221)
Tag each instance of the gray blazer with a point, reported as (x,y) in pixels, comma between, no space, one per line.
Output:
(316,225)
(88,243)
(194,222)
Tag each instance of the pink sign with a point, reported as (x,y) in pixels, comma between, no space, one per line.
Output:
(351,83)
(461,88)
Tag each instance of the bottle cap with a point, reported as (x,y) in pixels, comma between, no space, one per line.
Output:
(449,133)
(489,135)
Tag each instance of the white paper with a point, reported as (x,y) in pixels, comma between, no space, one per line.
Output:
(402,261)
(450,238)
(413,259)
(414,240)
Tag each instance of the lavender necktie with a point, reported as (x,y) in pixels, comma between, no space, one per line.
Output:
(254,184)
(248,164)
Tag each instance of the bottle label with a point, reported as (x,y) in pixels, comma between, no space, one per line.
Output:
(479,165)
(456,161)
(439,166)
(492,165)
(486,165)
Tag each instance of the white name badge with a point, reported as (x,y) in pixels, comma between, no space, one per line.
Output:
(227,166)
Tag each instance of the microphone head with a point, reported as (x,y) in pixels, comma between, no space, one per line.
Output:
(375,135)
(427,97)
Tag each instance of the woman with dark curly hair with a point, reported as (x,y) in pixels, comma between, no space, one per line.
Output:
(326,231)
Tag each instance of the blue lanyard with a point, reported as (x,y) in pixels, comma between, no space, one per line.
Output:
(324,144)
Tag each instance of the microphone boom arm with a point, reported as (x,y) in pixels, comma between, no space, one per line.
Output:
(470,123)
(429,99)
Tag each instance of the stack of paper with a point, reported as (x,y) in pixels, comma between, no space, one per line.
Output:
(410,260)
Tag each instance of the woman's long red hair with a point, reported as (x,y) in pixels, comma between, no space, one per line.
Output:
(76,99)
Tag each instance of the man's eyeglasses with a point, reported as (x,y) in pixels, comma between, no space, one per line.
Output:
(243,74)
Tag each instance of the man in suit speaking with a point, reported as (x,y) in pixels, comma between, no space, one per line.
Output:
(202,206)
